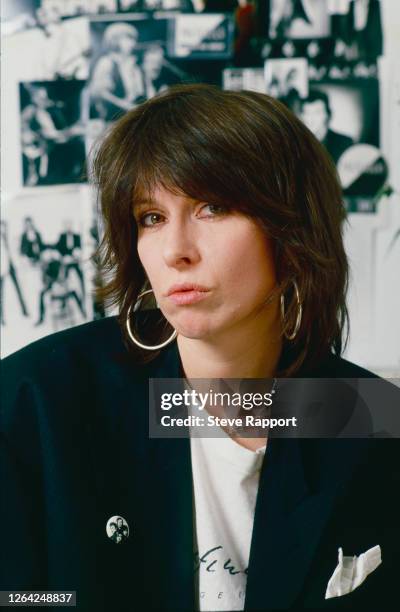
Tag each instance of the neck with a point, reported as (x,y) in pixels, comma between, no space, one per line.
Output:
(322,133)
(249,351)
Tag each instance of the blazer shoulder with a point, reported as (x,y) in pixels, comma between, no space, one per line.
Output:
(93,353)
(100,334)
(338,367)
(67,374)
(85,352)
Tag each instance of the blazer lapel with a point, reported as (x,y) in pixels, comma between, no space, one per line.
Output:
(293,508)
(146,481)
(172,523)
(171,509)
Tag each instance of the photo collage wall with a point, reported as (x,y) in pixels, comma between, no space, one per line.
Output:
(78,65)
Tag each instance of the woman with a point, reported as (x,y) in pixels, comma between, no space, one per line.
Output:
(116,82)
(227,211)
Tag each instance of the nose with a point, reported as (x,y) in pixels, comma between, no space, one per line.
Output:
(180,244)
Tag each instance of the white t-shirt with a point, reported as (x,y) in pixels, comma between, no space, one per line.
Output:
(225,485)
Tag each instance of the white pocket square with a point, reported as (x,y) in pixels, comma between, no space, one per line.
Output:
(350,572)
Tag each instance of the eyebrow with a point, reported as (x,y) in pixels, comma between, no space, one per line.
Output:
(142,205)
(146,202)
(143,202)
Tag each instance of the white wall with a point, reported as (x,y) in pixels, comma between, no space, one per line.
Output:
(374,298)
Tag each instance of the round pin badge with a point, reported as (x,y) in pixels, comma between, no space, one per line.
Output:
(117,529)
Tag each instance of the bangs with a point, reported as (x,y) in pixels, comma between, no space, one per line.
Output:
(184,152)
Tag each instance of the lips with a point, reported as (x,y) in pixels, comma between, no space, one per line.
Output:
(187,293)
(183,287)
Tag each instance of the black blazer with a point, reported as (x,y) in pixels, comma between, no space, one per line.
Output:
(62,244)
(76,451)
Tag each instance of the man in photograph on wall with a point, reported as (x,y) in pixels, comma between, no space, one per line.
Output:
(8,271)
(158,72)
(152,65)
(55,292)
(316,113)
(31,242)
(70,248)
(52,146)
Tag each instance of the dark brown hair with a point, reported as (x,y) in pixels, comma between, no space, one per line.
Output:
(247,151)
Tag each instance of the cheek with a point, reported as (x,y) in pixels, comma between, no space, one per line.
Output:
(250,263)
(147,258)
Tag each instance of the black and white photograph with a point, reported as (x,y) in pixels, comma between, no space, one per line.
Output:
(287,80)
(299,19)
(363,173)
(18,15)
(207,36)
(252,79)
(61,50)
(341,114)
(74,8)
(317,51)
(157,5)
(52,132)
(356,30)
(129,65)
(117,529)
(58,47)
(45,266)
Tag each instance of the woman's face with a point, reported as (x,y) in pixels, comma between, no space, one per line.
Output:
(126,44)
(181,240)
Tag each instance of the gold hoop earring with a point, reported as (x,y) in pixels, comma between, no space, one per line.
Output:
(131,334)
(299,313)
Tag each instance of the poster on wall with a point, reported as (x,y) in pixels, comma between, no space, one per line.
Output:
(18,15)
(318,52)
(363,173)
(298,28)
(69,8)
(357,30)
(287,80)
(206,36)
(342,113)
(73,8)
(52,132)
(129,65)
(299,19)
(48,15)
(251,79)
(59,51)
(344,116)
(45,266)
(157,5)
(341,38)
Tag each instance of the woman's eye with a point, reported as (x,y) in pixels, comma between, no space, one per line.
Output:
(214,209)
(149,220)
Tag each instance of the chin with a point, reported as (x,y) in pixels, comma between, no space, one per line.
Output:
(193,333)
(195,329)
